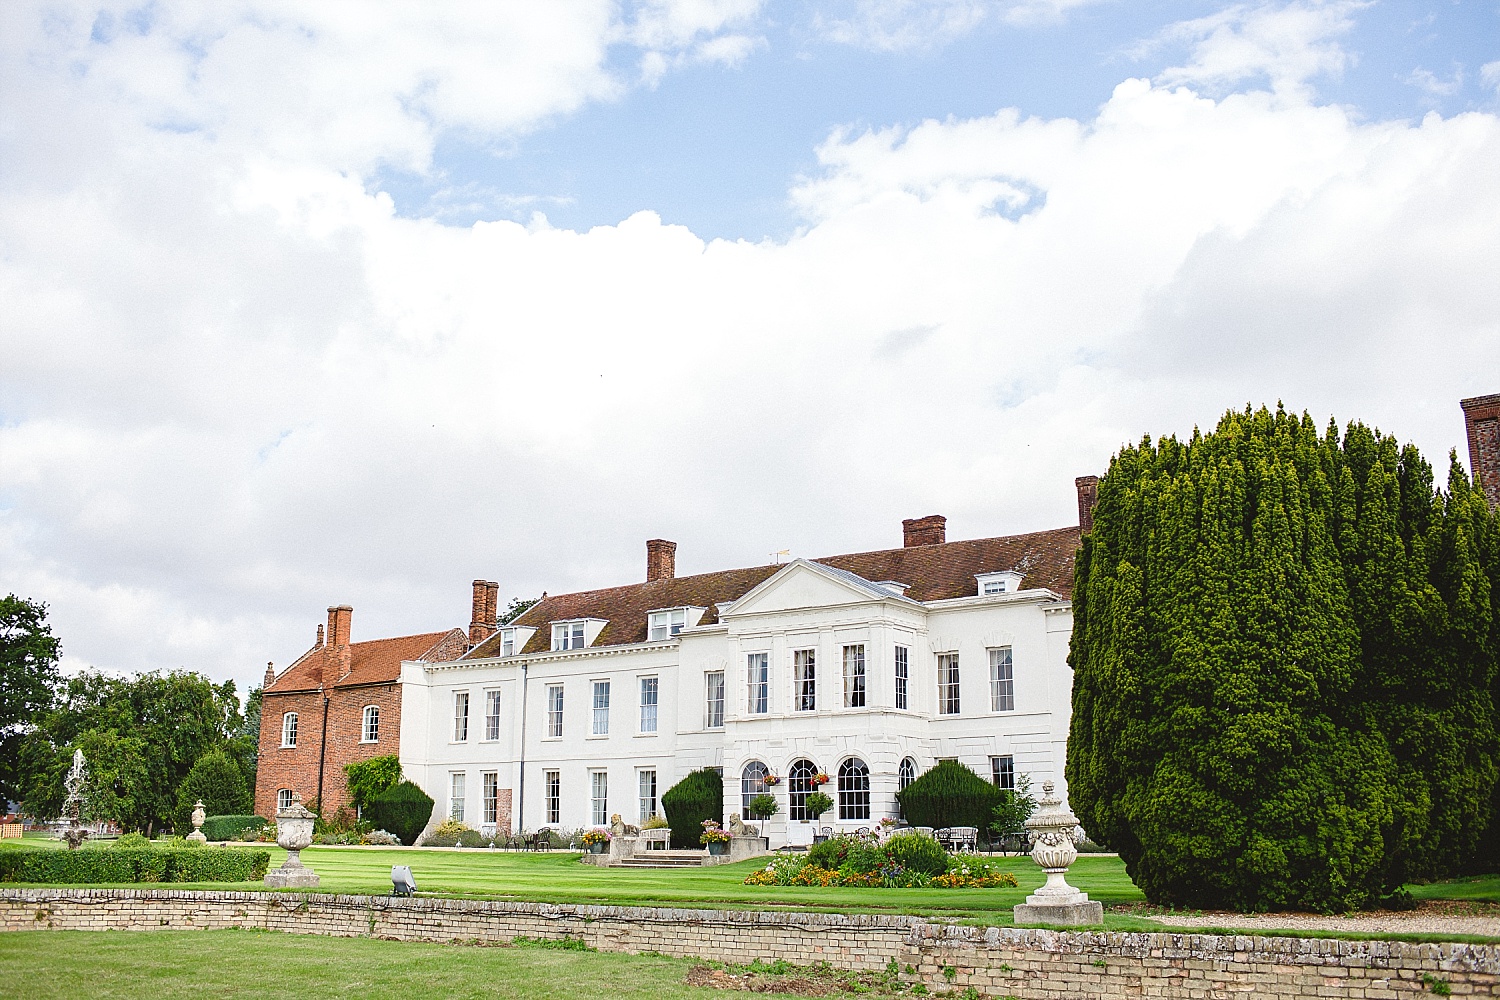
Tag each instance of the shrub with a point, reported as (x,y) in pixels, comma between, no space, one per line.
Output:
(230,827)
(215,780)
(917,852)
(695,798)
(369,778)
(817,804)
(949,795)
(134,864)
(450,833)
(380,838)
(130,840)
(656,822)
(403,809)
(764,806)
(832,853)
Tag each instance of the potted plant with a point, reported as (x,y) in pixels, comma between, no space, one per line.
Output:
(821,778)
(771,780)
(764,806)
(595,840)
(714,837)
(817,804)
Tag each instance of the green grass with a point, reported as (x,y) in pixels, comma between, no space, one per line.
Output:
(1475,888)
(69,964)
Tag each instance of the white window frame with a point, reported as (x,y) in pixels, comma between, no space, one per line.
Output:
(369,724)
(599,694)
(492,716)
(752,783)
(648,802)
(283,799)
(489,790)
(713,699)
(288,730)
(507,642)
(805,680)
(1002,679)
(1003,767)
(599,797)
(949,700)
(666,623)
(855,694)
(552,796)
(460,717)
(903,677)
(458,792)
(570,634)
(650,688)
(852,782)
(554,711)
(758,682)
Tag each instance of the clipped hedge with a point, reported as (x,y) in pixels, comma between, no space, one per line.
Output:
(134,864)
(231,827)
(949,795)
(403,810)
(697,797)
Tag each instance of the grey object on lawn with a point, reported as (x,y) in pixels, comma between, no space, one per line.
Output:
(294,832)
(1052,848)
(402,881)
(198,817)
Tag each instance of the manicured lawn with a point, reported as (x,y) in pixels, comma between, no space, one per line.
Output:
(559,877)
(67,965)
(1478,888)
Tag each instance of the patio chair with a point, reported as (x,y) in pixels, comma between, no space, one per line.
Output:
(863,831)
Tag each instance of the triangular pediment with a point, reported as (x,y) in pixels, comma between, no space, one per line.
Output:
(803,584)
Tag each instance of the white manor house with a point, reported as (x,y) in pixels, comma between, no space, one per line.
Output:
(868,668)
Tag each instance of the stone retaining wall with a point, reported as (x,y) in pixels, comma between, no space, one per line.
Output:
(999,962)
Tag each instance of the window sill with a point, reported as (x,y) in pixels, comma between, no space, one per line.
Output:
(591,736)
(647,735)
(288,746)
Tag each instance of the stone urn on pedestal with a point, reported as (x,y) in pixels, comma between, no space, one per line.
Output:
(198,817)
(1057,902)
(294,831)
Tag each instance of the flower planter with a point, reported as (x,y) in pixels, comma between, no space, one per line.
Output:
(718,847)
(597,848)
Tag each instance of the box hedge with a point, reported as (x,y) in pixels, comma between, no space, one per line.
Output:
(949,795)
(402,810)
(231,827)
(134,864)
(697,797)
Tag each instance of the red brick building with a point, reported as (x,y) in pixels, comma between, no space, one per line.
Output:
(340,702)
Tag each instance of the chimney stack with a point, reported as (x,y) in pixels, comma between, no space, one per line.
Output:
(319,643)
(482,620)
(491,612)
(929,530)
(661,559)
(1482,421)
(337,658)
(1088,495)
(270,675)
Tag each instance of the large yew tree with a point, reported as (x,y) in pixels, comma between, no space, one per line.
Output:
(1284,655)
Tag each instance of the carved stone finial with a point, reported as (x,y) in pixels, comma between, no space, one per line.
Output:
(1052,848)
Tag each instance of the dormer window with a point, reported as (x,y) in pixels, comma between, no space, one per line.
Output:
(567,635)
(507,642)
(665,624)
(1003,582)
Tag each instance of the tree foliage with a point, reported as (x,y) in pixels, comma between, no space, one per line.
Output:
(368,778)
(402,810)
(216,781)
(697,797)
(28,680)
(949,795)
(1284,666)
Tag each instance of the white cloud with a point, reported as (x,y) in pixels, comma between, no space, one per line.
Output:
(1489,73)
(903,25)
(1434,86)
(238,388)
(1287,45)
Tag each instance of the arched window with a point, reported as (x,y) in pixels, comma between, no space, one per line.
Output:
(289,729)
(854,789)
(752,783)
(799,785)
(905,776)
(283,799)
(370,731)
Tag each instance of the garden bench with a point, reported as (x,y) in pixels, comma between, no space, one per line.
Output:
(659,839)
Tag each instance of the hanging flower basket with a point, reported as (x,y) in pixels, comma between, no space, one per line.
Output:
(771,780)
(821,778)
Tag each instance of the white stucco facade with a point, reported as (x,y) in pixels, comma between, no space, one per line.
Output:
(805,613)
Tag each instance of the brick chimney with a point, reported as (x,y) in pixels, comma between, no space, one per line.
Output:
(482,620)
(661,559)
(1482,421)
(492,598)
(319,643)
(337,658)
(270,675)
(1088,495)
(929,530)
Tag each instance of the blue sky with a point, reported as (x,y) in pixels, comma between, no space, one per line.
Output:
(716,147)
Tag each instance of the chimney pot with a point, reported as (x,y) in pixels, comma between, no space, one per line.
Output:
(1482,422)
(319,643)
(1088,496)
(929,530)
(337,657)
(661,559)
(270,675)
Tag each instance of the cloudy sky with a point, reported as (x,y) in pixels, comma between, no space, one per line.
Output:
(304,304)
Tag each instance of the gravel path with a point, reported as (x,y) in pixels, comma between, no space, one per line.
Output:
(1428,918)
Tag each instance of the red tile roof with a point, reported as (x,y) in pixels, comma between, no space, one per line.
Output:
(376,661)
(932,572)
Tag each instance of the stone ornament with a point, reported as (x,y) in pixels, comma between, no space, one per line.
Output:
(1052,848)
(294,832)
(198,817)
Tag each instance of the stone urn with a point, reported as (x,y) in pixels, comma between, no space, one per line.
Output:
(1051,829)
(294,831)
(198,817)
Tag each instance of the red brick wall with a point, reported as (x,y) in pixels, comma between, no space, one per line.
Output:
(297,768)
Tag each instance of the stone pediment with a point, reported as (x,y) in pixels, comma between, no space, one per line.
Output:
(805,584)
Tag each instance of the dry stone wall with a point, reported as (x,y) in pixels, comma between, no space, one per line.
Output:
(997,961)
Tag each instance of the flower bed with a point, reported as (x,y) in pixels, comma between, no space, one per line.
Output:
(894,865)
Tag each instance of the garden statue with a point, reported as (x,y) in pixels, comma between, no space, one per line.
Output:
(739,828)
(76,781)
(619,828)
(294,831)
(1057,902)
(198,817)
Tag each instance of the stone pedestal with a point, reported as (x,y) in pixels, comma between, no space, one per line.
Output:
(1057,902)
(1086,913)
(293,874)
(741,848)
(294,831)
